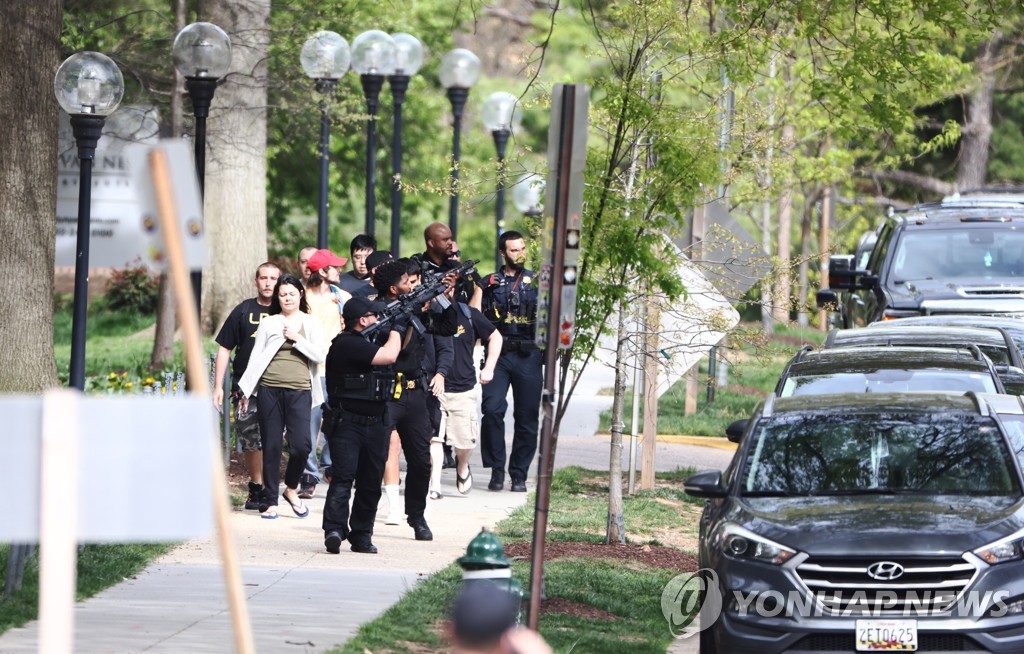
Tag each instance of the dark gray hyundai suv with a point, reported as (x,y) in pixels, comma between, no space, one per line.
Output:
(864,522)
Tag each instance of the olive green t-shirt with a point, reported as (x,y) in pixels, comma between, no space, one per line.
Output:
(288,369)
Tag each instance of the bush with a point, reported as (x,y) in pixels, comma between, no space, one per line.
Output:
(133,288)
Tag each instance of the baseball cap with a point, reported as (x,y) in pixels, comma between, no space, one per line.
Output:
(357,307)
(377,257)
(323,258)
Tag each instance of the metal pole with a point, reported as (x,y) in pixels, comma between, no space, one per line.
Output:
(500,144)
(457,96)
(87,129)
(325,87)
(546,464)
(399,85)
(200,91)
(371,89)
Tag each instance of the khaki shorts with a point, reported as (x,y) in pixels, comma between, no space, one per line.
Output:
(462,418)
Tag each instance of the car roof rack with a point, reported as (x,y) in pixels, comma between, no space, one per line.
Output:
(769,406)
(979,402)
(803,352)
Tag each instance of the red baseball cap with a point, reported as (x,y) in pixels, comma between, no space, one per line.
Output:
(324,258)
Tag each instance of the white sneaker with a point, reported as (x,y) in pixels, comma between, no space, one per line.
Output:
(394,518)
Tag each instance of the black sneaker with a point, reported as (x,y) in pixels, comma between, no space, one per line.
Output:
(518,485)
(497,480)
(333,542)
(364,546)
(252,502)
(420,529)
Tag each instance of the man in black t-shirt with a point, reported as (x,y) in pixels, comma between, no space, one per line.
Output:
(460,398)
(359,385)
(359,249)
(238,333)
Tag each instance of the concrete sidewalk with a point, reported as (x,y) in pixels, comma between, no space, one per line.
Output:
(302,599)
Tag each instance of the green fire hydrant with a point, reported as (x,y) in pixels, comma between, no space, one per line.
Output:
(485,560)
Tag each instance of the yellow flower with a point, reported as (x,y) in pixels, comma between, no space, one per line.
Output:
(124,374)
(149,381)
(128,385)
(113,375)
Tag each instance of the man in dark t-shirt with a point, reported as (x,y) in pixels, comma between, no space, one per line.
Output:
(359,385)
(359,249)
(238,333)
(460,398)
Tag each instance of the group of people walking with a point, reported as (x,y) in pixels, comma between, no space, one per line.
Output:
(304,369)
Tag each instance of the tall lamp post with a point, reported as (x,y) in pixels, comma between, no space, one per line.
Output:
(202,54)
(460,70)
(325,57)
(501,117)
(373,57)
(408,59)
(88,86)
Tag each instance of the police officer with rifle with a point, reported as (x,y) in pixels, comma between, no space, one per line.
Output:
(418,311)
(359,385)
(510,303)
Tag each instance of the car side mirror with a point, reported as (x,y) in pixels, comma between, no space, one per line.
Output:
(827,299)
(842,276)
(734,432)
(706,484)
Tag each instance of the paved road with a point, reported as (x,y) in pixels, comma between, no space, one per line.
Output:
(302,599)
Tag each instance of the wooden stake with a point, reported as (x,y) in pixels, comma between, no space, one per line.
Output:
(58,521)
(199,385)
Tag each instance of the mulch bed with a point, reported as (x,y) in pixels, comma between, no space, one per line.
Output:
(653,556)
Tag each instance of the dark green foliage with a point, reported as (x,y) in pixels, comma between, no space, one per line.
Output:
(134,289)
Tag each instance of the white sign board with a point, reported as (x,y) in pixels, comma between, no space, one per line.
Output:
(687,327)
(116,237)
(143,472)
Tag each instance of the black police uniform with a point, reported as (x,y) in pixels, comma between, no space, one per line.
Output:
(510,303)
(409,414)
(358,394)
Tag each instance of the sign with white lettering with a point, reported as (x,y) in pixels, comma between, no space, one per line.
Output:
(116,239)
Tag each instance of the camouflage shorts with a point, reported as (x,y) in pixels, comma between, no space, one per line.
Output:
(247,428)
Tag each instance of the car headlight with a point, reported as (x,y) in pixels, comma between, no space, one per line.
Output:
(1010,548)
(740,543)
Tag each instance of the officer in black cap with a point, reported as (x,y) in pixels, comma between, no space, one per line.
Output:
(359,384)
(510,302)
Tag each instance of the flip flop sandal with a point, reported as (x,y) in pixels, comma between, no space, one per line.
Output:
(296,506)
(464,484)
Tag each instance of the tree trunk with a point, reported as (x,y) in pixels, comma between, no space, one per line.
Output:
(616,517)
(781,298)
(166,316)
(805,255)
(977,129)
(28,193)
(236,171)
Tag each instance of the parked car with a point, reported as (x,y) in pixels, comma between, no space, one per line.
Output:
(1012,326)
(962,255)
(860,522)
(887,370)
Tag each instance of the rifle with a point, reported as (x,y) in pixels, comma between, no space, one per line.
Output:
(411,304)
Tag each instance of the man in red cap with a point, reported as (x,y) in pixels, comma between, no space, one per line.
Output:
(325,300)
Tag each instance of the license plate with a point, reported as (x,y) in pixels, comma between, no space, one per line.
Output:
(886,635)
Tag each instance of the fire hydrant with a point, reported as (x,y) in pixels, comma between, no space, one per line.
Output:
(485,560)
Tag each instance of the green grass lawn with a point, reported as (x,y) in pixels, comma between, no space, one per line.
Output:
(755,367)
(628,591)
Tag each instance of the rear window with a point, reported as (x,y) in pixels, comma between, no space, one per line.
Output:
(857,454)
(978,252)
(888,381)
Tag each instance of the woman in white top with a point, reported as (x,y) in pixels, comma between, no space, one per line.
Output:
(282,373)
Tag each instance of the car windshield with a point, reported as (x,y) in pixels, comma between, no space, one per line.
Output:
(884,454)
(888,381)
(959,252)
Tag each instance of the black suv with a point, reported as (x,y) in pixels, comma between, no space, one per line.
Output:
(864,523)
(962,255)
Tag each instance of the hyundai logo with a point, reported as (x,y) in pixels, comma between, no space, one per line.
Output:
(885,570)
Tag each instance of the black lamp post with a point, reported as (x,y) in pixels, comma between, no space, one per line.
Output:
(460,70)
(325,57)
(202,54)
(88,86)
(373,57)
(408,59)
(501,117)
